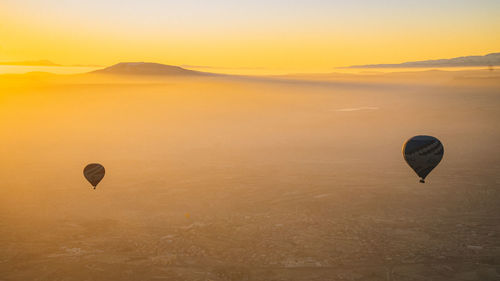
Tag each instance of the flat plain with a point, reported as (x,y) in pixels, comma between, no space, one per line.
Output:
(295,177)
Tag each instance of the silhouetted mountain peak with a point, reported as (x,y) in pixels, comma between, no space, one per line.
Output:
(147,68)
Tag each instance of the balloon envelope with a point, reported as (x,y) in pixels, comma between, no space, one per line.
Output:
(423,154)
(94,173)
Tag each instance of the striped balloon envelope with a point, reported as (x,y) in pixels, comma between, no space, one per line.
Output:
(94,173)
(423,154)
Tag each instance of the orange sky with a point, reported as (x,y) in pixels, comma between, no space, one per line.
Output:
(255,36)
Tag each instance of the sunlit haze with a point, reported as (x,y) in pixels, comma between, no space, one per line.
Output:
(251,36)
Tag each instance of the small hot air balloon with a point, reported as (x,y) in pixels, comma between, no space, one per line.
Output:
(423,154)
(94,173)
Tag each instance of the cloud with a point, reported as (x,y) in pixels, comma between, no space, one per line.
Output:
(221,67)
(357,108)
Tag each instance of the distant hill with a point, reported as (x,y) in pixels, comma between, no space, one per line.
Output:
(31,63)
(492,59)
(148,68)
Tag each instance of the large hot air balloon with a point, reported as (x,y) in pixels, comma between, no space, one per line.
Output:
(423,154)
(94,173)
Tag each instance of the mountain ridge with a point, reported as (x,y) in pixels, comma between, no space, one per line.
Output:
(148,68)
(30,63)
(492,59)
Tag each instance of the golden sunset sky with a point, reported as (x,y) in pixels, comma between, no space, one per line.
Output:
(291,36)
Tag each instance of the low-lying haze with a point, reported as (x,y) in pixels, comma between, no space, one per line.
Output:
(244,178)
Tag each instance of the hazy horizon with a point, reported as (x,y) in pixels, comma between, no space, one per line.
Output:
(61,69)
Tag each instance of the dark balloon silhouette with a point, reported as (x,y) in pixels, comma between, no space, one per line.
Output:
(423,154)
(94,173)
